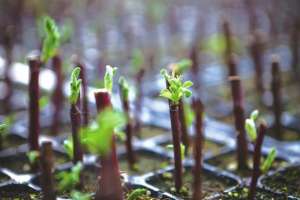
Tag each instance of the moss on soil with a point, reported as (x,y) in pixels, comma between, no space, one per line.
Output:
(286,181)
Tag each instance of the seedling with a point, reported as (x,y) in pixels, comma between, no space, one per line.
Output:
(138,194)
(5,128)
(33,156)
(238,111)
(176,89)
(257,141)
(68,180)
(75,114)
(69,148)
(76,195)
(124,93)
(108,77)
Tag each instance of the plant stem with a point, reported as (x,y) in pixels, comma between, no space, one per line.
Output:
(85,102)
(75,123)
(238,110)
(198,146)
(195,66)
(46,160)
(139,100)
(57,98)
(228,40)
(256,161)
(129,148)
(110,187)
(276,92)
(294,45)
(175,124)
(184,132)
(34,110)
(7,79)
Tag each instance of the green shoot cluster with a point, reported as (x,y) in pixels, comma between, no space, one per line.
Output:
(69,179)
(177,89)
(75,85)
(108,77)
(124,87)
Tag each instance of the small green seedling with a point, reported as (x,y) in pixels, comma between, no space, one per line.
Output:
(33,156)
(108,77)
(77,195)
(124,87)
(68,180)
(69,148)
(97,137)
(250,125)
(138,194)
(182,149)
(177,89)
(51,39)
(75,85)
(268,161)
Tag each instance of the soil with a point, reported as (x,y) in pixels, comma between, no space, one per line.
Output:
(19,163)
(12,141)
(149,132)
(210,147)
(285,181)
(146,163)
(3,177)
(16,192)
(288,135)
(228,162)
(241,193)
(149,196)
(212,184)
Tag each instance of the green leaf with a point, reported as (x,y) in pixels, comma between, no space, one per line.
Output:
(6,125)
(75,85)
(124,87)
(187,84)
(77,195)
(137,194)
(97,137)
(43,102)
(254,115)
(269,160)
(251,129)
(108,77)
(182,149)
(51,41)
(68,146)
(69,179)
(33,156)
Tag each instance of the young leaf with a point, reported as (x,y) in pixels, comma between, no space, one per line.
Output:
(137,194)
(68,180)
(75,85)
(77,195)
(52,39)
(68,146)
(269,160)
(97,137)
(108,77)
(182,149)
(6,125)
(33,156)
(177,89)
(254,115)
(124,87)
(251,129)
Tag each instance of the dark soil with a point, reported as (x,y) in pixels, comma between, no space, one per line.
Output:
(286,181)
(228,162)
(287,135)
(212,184)
(16,192)
(149,132)
(12,141)
(241,193)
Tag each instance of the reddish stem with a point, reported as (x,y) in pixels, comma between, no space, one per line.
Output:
(238,109)
(85,102)
(139,99)
(228,39)
(46,160)
(294,44)
(195,66)
(256,161)
(198,146)
(75,123)
(129,148)
(175,124)
(57,98)
(184,132)
(276,92)
(110,187)
(34,110)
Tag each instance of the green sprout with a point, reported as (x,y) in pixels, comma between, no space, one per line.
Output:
(76,195)
(124,87)
(33,156)
(6,125)
(69,179)
(269,161)
(182,149)
(43,101)
(69,148)
(52,39)
(97,137)
(137,60)
(75,85)
(181,66)
(177,89)
(108,77)
(138,194)
(250,125)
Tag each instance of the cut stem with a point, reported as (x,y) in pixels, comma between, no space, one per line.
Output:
(75,116)
(34,110)
(238,110)
(46,163)
(256,161)
(276,92)
(85,102)
(110,187)
(198,146)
